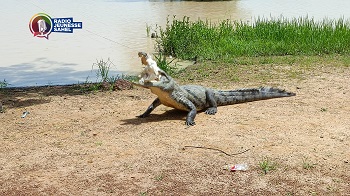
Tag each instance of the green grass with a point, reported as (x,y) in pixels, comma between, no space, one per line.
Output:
(104,81)
(159,177)
(164,64)
(103,68)
(323,109)
(143,193)
(262,70)
(267,165)
(4,84)
(203,40)
(307,163)
(148,30)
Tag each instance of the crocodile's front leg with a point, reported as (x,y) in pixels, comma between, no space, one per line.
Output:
(190,117)
(190,107)
(150,108)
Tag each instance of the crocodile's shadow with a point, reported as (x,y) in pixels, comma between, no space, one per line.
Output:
(173,114)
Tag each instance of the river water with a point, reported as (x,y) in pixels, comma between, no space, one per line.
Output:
(116,30)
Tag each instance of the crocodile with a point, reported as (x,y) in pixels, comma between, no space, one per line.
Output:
(193,98)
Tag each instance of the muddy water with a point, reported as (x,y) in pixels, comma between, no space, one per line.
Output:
(116,30)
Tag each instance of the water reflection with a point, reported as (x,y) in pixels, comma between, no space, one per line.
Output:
(42,71)
(114,29)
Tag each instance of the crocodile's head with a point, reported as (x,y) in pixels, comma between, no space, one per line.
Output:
(166,83)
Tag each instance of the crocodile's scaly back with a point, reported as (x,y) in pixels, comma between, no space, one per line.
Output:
(249,94)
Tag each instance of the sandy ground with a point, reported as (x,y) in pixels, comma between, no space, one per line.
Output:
(92,144)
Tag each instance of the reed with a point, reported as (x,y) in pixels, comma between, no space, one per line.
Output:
(3,84)
(200,39)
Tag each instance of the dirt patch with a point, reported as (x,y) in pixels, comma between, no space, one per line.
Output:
(92,144)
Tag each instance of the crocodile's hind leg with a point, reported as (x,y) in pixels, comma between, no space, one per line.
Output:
(213,107)
(150,108)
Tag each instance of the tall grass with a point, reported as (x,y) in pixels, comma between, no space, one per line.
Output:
(3,84)
(187,39)
(164,64)
(103,68)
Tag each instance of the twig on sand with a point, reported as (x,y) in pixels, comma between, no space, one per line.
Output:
(208,148)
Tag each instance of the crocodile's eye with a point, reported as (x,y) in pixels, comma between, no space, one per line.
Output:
(164,79)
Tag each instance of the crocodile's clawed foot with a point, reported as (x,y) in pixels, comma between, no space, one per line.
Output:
(211,111)
(190,123)
(142,116)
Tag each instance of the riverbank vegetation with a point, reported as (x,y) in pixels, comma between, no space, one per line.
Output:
(204,40)
(262,69)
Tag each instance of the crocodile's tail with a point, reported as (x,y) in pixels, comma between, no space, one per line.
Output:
(249,94)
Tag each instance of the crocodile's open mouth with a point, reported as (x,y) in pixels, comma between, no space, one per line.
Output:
(148,83)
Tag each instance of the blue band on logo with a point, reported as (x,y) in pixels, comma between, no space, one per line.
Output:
(65,25)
